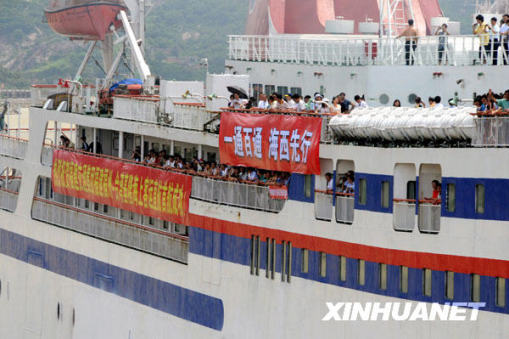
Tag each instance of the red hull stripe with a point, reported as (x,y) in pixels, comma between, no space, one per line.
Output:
(438,262)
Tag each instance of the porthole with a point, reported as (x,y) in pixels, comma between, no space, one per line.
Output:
(411,98)
(384,99)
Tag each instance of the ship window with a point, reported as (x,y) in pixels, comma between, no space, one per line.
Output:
(305,260)
(383,276)
(363,187)
(426,282)
(385,194)
(282,90)
(476,287)
(271,258)
(451,198)
(449,285)
(384,99)
(342,268)
(255,255)
(479,199)
(361,272)
(269,89)
(411,189)
(411,98)
(289,258)
(307,185)
(296,90)
(257,90)
(500,295)
(323,264)
(403,281)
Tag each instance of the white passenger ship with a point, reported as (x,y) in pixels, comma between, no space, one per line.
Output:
(237,262)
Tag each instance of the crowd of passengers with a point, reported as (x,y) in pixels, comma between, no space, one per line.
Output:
(345,184)
(211,169)
(489,102)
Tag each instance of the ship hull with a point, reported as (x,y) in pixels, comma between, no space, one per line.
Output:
(88,22)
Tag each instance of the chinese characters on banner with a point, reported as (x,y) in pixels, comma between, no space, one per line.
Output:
(143,190)
(273,142)
(278,192)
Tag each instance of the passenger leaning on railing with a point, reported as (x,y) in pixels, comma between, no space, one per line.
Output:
(494,40)
(410,35)
(504,37)
(481,29)
(436,197)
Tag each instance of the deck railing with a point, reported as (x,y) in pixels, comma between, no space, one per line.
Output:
(345,204)
(118,231)
(492,131)
(13,147)
(404,215)
(331,50)
(8,199)
(235,194)
(192,116)
(429,217)
(323,205)
(136,108)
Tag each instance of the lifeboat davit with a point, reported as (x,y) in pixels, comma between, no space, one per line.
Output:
(84,19)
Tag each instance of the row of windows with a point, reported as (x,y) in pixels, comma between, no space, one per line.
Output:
(270,89)
(286,269)
(480,196)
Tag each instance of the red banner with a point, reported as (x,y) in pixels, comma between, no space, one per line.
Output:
(273,142)
(143,190)
(278,192)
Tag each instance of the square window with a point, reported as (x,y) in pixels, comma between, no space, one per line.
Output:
(385,194)
(342,268)
(449,285)
(479,199)
(361,274)
(451,198)
(363,187)
(323,264)
(476,287)
(383,276)
(305,261)
(426,273)
(500,295)
(403,283)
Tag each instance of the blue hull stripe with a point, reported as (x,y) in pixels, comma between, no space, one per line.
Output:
(238,250)
(175,300)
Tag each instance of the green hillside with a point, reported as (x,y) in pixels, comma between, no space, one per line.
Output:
(179,34)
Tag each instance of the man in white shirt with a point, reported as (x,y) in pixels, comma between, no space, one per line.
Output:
(438,103)
(263,103)
(236,103)
(300,106)
(504,38)
(330,183)
(494,40)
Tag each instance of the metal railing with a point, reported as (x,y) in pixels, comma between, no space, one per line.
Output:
(13,147)
(190,116)
(235,194)
(491,131)
(8,200)
(429,217)
(323,205)
(136,108)
(117,231)
(47,155)
(331,50)
(404,215)
(345,204)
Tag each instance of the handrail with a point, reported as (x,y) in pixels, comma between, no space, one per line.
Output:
(404,200)
(275,112)
(8,190)
(13,138)
(194,104)
(108,218)
(491,113)
(169,169)
(430,201)
(153,98)
(342,194)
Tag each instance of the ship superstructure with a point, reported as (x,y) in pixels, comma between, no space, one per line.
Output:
(97,242)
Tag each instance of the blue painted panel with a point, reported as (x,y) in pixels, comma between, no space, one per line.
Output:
(296,188)
(374,192)
(496,195)
(175,300)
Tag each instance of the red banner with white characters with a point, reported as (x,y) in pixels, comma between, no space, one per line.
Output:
(273,142)
(278,192)
(148,191)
